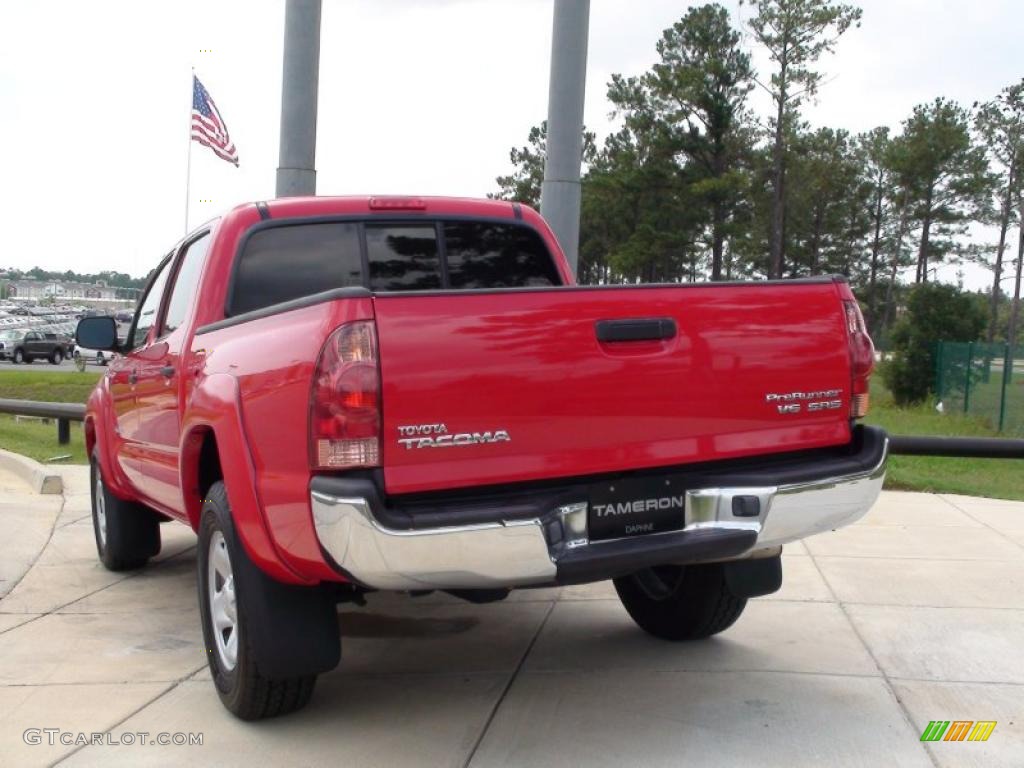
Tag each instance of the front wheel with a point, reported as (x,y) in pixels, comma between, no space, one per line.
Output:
(265,641)
(680,602)
(19,356)
(57,357)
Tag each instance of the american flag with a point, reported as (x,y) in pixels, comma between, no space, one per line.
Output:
(208,126)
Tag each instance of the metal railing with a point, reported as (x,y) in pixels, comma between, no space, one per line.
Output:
(964,447)
(64,413)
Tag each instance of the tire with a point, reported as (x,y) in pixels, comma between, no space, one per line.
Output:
(127,533)
(100,359)
(680,602)
(265,641)
(19,357)
(57,357)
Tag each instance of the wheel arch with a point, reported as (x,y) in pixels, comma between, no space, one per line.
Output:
(102,441)
(200,469)
(89,433)
(214,446)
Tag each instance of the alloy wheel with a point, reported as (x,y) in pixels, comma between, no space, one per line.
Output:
(220,591)
(101,511)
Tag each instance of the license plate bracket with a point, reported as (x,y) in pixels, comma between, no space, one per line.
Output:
(636,506)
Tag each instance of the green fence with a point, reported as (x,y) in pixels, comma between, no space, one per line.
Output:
(982,380)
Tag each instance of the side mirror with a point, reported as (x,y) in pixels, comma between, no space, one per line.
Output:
(97,333)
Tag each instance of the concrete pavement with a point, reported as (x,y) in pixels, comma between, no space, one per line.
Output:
(914,614)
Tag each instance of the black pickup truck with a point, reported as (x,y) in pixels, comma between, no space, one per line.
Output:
(24,346)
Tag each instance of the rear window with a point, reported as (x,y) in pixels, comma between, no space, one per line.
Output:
(285,263)
(485,255)
(292,261)
(403,257)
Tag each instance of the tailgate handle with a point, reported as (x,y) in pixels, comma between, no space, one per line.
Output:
(636,329)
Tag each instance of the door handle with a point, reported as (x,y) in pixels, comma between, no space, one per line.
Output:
(636,329)
(167,371)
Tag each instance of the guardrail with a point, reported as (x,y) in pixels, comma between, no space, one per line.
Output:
(964,447)
(64,413)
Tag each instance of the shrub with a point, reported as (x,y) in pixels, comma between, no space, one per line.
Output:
(935,312)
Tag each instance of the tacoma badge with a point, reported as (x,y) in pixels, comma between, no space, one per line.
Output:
(437,436)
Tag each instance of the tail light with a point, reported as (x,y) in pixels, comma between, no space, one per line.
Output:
(862,359)
(344,411)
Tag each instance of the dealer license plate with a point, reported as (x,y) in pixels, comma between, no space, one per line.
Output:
(636,506)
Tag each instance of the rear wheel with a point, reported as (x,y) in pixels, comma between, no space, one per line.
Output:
(127,534)
(265,641)
(19,356)
(680,602)
(56,357)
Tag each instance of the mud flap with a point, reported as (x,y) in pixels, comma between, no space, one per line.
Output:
(293,630)
(754,578)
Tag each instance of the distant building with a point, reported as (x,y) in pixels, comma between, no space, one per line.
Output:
(64,290)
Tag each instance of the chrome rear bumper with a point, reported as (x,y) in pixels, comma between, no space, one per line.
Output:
(551,548)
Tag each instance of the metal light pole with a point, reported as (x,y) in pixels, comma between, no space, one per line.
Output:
(560,192)
(296,174)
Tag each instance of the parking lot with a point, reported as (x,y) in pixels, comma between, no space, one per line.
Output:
(57,325)
(912,615)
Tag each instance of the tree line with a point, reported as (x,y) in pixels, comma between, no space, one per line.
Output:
(111,278)
(693,185)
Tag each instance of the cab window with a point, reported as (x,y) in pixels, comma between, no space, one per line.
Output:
(403,257)
(483,254)
(185,283)
(145,315)
(290,262)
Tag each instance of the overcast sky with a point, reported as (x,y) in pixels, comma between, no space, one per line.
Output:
(416,96)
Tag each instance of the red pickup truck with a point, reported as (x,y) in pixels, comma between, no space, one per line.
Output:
(342,395)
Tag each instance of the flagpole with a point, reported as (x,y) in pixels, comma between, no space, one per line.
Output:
(188,167)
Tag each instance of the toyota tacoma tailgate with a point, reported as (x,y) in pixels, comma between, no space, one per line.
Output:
(506,386)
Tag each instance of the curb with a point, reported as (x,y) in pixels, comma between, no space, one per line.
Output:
(41,478)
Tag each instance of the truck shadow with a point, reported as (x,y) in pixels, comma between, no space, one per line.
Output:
(382,625)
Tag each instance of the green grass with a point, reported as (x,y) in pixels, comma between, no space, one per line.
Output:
(34,438)
(995,478)
(39,441)
(63,387)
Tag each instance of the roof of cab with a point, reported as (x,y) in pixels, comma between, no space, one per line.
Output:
(289,207)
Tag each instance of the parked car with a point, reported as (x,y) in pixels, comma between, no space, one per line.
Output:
(98,356)
(24,346)
(342,395)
